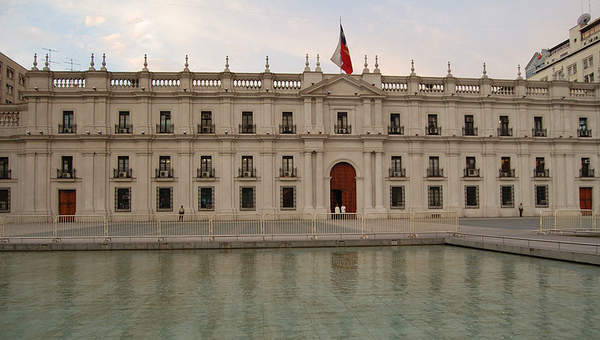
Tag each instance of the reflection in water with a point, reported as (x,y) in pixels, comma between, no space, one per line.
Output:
(355,293)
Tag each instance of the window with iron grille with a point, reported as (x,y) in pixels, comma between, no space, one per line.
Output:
(247,164)
(396,163)
(247,122)
(206,117)
(164,199)
(287,164)
(67,163)
(4,168)
(247,198)
(124,121)
(288,198)
(165,122)
(123,163)
(541,196)
(435,197)
(471,196)
(287,121)
(122,199)
(397,196)
(206,163)
(4,199)
(206,198)
(67,126)
(507,196)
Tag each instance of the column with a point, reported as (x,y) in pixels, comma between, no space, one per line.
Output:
(84,169)
(267,178)
(368,181)
(319,181)
(319,114)
(378,182)
(226,193)
(307,114)
(378,115)
(308,183)
(27,203)
(367,126)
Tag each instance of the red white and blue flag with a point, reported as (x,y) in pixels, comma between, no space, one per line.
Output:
(341,56)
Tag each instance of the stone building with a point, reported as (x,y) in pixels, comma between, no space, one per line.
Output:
(12,80)
(100,142)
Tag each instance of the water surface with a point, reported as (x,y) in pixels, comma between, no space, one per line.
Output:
(359,293)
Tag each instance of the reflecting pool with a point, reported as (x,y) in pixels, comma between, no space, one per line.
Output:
(329,293)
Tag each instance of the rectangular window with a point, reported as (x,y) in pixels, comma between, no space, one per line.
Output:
(540,164)
(505,163)
(4,168)
(507,196)
(21,79)
(247,198)
(288,198)
(206,163)
(435,197)
(124,122)
(206,198)
(287,123)
(166,125)
(469,125)
(397,197)
(583,123)
(287,166)
(342,126)
(4,199)
(164,163)
(541,196)
(247,163)
(470,162)
(589,78)
(396,163)
(432,125)
(123,163)
(471,196)
(395,128)
(588,62)
(67,125)
(122,199)
(206,120)
(247,123)
(66,170)
(537,123)
(434,167)
(10,73)
(164,199)
(503,130)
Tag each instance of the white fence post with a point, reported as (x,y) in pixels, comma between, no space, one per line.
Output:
(105,220)
(54,226)
(211,231)
(1,227)
(157,225)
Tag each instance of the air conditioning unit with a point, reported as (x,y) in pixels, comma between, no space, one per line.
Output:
(66,175)
(164,173)
(205,174)
(247,174)
(122,174)
(472,172)
(206,129)
(586,161)
(287,173)
(123,130)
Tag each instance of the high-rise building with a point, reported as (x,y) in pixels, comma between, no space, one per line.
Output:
(12,80)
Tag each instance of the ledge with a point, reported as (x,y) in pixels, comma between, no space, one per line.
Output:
(206,179)
(161,179)
(405,178)
(288,179)
(123,179)
(507,178)
(435,178)
(247,179)
(66,180)
(586,178)
(472,178)
(542,178)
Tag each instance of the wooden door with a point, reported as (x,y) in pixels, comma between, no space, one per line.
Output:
(66,202)
(585,198)
(343,179)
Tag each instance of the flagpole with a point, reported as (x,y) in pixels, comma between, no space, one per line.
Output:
(341,71)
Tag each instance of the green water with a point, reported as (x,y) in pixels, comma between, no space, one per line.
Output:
(430,292)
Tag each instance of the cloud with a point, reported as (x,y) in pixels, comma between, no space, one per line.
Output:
(94,21)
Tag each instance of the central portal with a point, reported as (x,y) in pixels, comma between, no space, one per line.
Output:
(342,187)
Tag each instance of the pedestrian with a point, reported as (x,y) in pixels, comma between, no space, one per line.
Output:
(337,212)
(181,212)
(520,209)
(343,209)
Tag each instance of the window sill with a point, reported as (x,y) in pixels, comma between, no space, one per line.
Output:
(8,180)
(122,210)
(288,209)
(164,210)
(205,179)
(508,178)
(405,178)
(66,180)
(398,208)
(289,179)
(472,207)
(435,179)
(164,179)
(586,178)
(473,178)
(123,179)
(247,179)
(542,178)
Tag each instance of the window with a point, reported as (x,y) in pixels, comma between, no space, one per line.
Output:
(586,169)
(588,62)
(435,197)
(287,123)
(164,199)
(507,196)
(247,125)
(288,198)
(471,196)
(572,69)
(9,89)
(66,170)
(164,163)
(21,79)
(10,74)
(287,166)
(206,125)
(122,199)
(469,129)
(395,128)
(504,130)
(206,163)
(206,198)
(4,168)
(434,167)
(247,198)
(165,126)
(541,196)
(4,199)
(123,163)
(124,122)
(247,163)
(538,124)
(470,167)
(583,130)
(342,126)
(68,125)
(397,163)
(589,78)
(470,163)
(505,163)
(397,197)
(432,125)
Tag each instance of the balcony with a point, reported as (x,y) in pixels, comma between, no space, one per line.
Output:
(123,128)
(506,173)
(206,129)
(342,129)
(65,173)
(584,132)
(471,172)
(247,128)
(161,128)
(586,172)
(395,130)
(541,172)
(288,172)
(539,132)
(287,129)
(505,132)
(435,172)
(163,173)
(5,174)
(469,131)
(205,172)
(397,172)
(67,128)
(123,173)
(433,130)
(247,172)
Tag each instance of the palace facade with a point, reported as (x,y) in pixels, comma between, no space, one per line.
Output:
(100,142)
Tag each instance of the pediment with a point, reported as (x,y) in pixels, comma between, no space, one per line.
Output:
(343,85)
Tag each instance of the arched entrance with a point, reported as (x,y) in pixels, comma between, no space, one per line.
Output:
(342,187)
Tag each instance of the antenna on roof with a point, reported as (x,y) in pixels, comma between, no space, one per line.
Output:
(71,63)
(50,50)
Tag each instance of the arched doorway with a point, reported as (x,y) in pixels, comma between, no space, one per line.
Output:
(342,187)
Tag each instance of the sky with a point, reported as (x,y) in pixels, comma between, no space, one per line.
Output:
(503,33)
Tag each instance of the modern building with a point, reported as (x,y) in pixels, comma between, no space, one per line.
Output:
(572,59)
(12,80)
(99,142)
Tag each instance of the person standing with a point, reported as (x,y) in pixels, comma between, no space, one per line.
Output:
(521,209)
(181,212)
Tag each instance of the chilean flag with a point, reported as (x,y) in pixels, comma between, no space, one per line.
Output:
(341,56)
